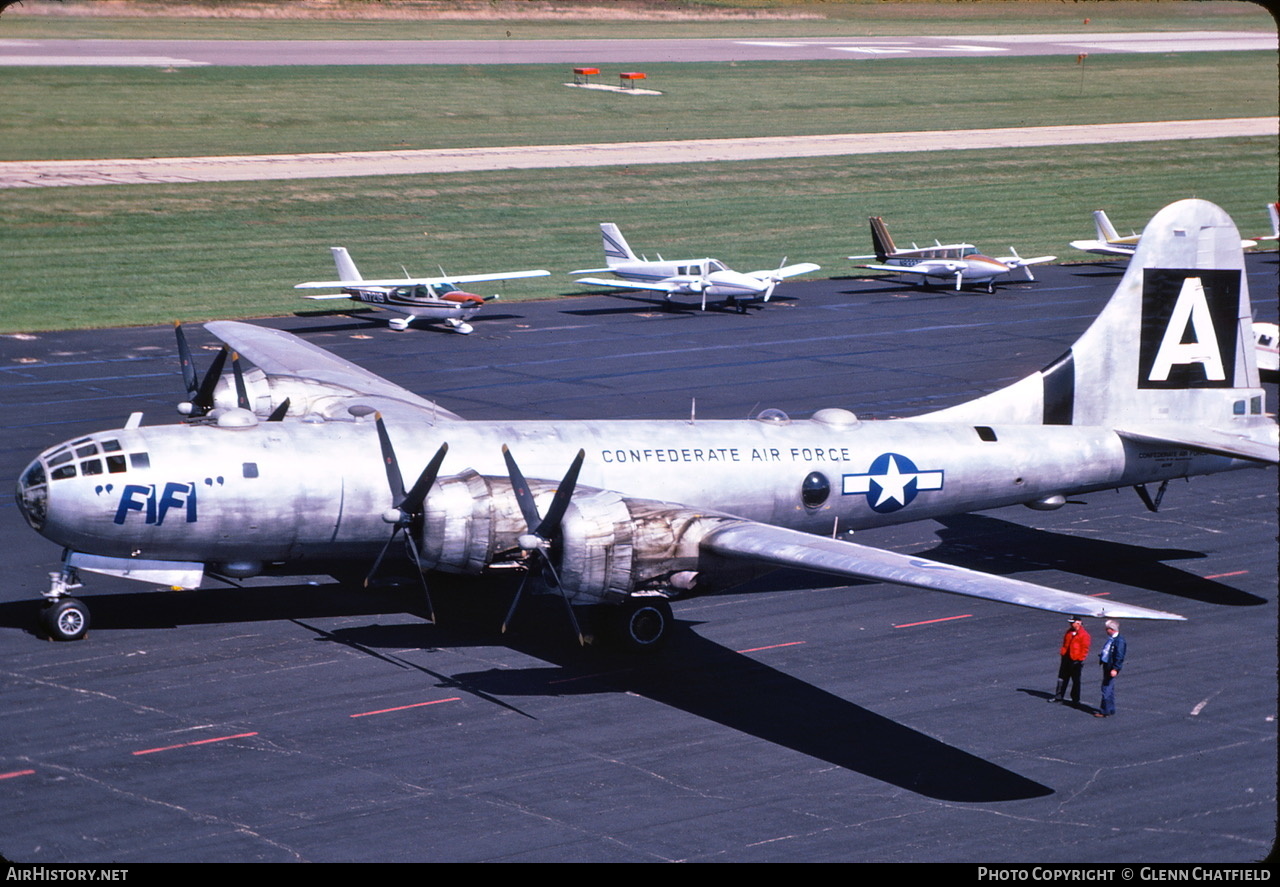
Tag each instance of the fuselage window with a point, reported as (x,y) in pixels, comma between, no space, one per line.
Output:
(139,460)
(251,469)
(815,489)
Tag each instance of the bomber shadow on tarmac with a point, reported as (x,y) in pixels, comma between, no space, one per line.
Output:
(709,681)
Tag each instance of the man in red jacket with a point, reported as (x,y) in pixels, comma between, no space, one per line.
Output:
(1075,649)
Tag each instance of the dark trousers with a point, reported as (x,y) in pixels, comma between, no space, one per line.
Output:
(1069,672)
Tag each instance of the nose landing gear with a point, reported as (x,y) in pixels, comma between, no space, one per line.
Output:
(64,618)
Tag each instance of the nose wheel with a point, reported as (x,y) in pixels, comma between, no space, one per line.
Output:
(66,619)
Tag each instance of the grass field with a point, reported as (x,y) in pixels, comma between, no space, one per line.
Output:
(64,113)
(116,255)
(108,256)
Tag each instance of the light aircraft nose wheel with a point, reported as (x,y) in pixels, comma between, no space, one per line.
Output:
(66,619)
(644,624)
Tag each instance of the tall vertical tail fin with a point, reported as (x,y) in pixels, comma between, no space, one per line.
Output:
(880,239)
(347,270)
(1102,225)
(1171,355)
(616,249)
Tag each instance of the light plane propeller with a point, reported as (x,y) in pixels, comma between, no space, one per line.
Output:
(1162,385)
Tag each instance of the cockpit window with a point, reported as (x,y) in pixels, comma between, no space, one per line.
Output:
(64,456)
(34,476)
(111,446)
(64,472)
(116,464)
(91,466)
(90,450)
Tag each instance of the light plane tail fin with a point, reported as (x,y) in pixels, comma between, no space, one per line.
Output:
(616,249)
(881,242)
(1102,225)
(1171,356)
(347,270)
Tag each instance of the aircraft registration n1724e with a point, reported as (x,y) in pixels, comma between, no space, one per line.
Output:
(432,299)
(706,278)
(298,466)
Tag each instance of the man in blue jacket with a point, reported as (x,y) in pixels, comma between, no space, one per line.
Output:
(1112,659)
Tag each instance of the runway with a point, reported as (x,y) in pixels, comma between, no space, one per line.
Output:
(792,720)
(187,53)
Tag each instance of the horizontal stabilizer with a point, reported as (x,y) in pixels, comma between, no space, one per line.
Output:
(1205,439)
(782,547)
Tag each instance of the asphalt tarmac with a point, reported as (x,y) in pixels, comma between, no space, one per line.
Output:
(793,719)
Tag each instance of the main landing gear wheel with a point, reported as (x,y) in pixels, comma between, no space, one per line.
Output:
(643,624)
(66,619)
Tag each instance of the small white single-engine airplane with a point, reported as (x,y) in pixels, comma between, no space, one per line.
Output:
(422,298)
(1110,242)
(295,467)
(706,278)
(960,262)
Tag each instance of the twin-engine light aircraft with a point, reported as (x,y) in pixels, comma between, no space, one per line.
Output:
(297,467)
(1109,241)
(958,262)
(424,298)
(705,278)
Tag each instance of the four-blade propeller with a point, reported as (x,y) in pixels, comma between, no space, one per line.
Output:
(407,512)
(543,533)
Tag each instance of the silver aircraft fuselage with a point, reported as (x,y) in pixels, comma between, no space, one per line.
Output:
(310,493)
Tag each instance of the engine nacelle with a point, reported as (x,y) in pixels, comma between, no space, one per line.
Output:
(609,546)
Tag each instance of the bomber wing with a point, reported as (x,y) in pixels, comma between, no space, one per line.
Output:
(282,354)
(782,547)
(418,281)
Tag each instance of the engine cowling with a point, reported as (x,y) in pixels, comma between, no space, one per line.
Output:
(609,547)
